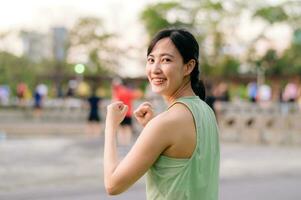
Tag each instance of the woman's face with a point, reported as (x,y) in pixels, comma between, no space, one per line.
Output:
(164,68)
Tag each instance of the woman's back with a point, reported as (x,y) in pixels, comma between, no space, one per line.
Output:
(195,177)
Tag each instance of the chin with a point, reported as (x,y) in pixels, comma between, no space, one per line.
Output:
(157,90)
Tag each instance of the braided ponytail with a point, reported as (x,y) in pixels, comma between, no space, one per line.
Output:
(197,84)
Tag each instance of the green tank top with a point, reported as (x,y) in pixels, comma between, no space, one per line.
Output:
(194,178)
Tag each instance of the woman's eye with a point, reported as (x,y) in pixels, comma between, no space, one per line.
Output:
(166,60)
(150,60)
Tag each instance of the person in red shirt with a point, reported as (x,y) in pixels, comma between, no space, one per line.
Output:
(127,95)
(21,93)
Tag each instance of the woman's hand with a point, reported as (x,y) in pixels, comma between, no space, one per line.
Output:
(144,113)
(116,112)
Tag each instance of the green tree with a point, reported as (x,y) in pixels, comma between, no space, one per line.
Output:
(155,17)
(204,18)
(14,69)
(288,12)
(89,38)
(290,61)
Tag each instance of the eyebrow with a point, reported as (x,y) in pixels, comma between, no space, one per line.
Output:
(163,54)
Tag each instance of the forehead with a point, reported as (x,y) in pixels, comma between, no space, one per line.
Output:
(165,46)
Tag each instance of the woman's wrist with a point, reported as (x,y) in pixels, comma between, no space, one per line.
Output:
(110,127)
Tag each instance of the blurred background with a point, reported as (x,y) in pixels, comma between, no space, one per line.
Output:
(60,59)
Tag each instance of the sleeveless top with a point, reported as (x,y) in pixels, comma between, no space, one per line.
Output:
(194,178)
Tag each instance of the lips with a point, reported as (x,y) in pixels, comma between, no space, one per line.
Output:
(158,81)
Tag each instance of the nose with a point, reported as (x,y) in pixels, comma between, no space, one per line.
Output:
(156,68)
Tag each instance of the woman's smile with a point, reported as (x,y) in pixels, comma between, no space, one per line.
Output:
(158,81)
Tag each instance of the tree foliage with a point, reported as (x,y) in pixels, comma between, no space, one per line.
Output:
(214,22)
(161,15)
(272,14)
(89,38)
(190,14)
(14,69)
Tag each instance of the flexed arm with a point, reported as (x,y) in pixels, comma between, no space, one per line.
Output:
(115,114)
(118,176)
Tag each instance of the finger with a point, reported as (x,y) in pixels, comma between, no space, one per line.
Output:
(147,110)
(118,104)
(142,110)
(124,108)
(138,113)
(121,107)
(148,104)
(115,103)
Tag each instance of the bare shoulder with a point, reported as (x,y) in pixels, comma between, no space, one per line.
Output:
(179,131)
(179,113)
(174,119)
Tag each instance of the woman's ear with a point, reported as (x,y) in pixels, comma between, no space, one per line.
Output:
(189,66)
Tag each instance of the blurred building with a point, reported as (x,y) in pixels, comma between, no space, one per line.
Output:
(59,43)
(38,46)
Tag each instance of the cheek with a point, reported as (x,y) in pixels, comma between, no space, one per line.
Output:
(147,70)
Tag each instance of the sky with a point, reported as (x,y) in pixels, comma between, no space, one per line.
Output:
(40,15)
(43,13)
(120,16)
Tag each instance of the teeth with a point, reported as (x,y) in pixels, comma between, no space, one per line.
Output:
(159,80)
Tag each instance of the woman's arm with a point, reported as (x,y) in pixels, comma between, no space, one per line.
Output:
(151,143)
(115,113)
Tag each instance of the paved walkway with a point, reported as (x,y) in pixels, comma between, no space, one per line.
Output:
(71,168)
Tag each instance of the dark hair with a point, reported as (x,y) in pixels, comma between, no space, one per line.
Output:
(189,49)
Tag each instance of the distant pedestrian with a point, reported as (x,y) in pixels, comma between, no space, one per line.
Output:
(4,95)
(252,91)
(40,96)
(22,89)
(94,118)
(290,93)
(210,96)
(125,94)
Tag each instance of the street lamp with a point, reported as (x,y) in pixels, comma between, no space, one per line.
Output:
(79,68)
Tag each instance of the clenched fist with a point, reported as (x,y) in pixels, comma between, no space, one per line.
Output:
(116,112)
(144,113)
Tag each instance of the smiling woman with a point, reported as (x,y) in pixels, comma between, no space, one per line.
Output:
(179,148)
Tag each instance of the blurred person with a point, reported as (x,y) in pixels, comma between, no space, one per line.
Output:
(83,89)
(40,95)
(264,95)
(290,92)
(252,91)
(289,97)
(94,118)
(222,96)
(4,95)
(70,99)
(299,97)
(72,85)
(179,148)
(210,96)
(121,92)
(22,90)
(222,93)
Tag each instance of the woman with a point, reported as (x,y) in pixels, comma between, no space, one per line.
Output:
(179,148)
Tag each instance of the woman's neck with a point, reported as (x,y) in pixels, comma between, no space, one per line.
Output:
(184,90)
